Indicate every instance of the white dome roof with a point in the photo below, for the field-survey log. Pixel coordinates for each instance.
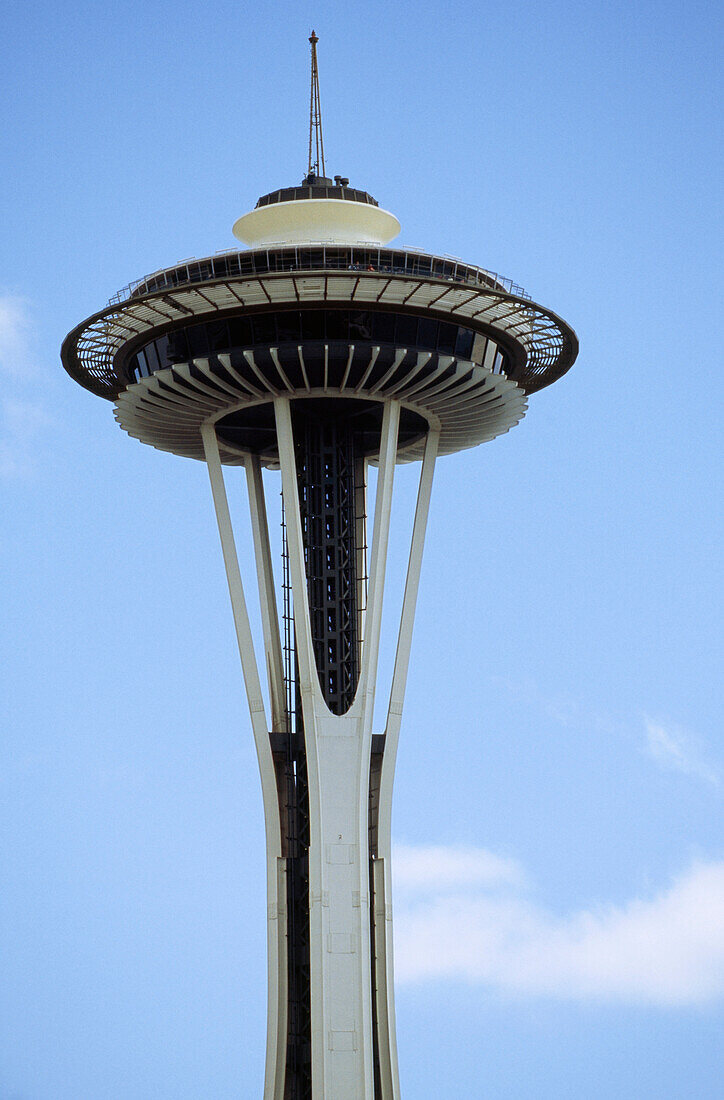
(332, 221)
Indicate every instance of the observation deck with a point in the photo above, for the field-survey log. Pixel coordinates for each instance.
(331, 312)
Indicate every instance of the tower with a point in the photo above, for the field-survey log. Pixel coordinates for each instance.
(318, 351)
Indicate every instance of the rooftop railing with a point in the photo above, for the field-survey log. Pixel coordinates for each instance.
(315, 191)
(302, 258)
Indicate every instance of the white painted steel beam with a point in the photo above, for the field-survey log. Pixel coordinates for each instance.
(378, 554)
(276, 885)
(382, 876)
(267, 597)
(409, 604)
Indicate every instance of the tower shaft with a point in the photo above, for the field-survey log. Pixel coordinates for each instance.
(330, 483)
(331, 1013)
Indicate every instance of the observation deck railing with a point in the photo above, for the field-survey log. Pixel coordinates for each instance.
(304, 258)
(316, 191)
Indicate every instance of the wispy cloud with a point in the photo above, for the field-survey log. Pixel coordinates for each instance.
(675, 750)
(664, 950)
(15, 336)
(22, 415)
(669, 746)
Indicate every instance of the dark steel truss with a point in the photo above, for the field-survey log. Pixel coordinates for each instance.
(327, 469)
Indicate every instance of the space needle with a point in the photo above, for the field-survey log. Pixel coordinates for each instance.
(317, 351)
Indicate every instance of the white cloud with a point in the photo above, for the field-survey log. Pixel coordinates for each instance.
(675, 750)
(665, 950)
(15, 337)
(22, 418)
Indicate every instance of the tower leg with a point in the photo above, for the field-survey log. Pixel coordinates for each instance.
(382, 913)
(276, 883)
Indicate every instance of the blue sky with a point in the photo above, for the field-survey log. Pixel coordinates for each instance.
(560, 884)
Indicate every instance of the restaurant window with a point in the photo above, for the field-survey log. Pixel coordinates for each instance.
(288, 328)
(198, 342)
(446, 338)
(312, 324)
(383, 327)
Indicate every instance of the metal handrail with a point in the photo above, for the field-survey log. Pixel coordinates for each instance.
(361, 258)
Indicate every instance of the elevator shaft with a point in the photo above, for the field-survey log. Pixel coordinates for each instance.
(330, 484)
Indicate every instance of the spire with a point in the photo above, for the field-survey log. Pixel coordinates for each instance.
(316, 144)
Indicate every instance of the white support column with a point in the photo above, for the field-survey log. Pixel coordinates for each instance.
(409, 604)
(267, 597)
(308, 685)
(378, 556)
(276, 888)
(382, 916)
(384, 1000)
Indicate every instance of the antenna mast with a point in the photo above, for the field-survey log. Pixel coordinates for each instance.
(316, 143)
